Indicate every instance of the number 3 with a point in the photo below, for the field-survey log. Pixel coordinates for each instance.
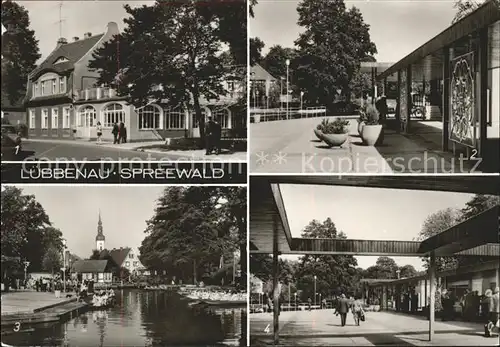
(17, 327)
(267, 330)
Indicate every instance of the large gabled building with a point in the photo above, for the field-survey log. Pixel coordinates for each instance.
(65, 101)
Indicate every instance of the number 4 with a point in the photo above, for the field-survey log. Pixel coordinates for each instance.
(267, 330)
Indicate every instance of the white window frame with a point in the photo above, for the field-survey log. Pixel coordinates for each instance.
(150, 115)
(54, 86)
(223, 116)
(32, 119)
(62, 84)
(42, 88)
(45, 118)
(54, 118)
(82, 114)
(194, 121)
(66, 117)
(113, 113)
(127, 264)
(175, 120)
(35, 94)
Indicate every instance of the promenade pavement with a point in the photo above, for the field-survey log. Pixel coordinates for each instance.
(290, 146)
(20, 302)
(322, 328)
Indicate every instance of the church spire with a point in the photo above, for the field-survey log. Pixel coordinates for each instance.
(100, 234)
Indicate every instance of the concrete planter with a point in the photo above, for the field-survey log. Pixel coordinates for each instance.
(371, 133)
(319, 134)
(335, 140)
(360, 127)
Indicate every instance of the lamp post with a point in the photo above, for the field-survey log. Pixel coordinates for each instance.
(315, 290)
(287, 101)
(398, 272)
(64, 265)
(26, 264)
(295, 301)
(320, 302)
(281, 93)
(289, 295)
(301, 99)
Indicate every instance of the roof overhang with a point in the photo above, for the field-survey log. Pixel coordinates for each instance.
(484, 16)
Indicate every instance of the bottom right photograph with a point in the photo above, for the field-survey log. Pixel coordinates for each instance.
(374, 260)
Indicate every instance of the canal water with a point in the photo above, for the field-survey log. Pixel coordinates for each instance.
(141, 318)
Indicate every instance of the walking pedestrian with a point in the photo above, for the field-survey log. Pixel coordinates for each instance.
(99, 133)
(357, 311)
(493, 312)
(487, 308)
(309, 302)
(122, 133)
(343, 309)
(217, 133)
(209, 135)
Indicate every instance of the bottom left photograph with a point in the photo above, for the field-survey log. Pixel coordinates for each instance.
(123, 265)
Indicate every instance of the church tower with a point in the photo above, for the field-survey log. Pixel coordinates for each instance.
(99, 239)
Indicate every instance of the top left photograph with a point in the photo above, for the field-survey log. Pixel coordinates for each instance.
(124, 80)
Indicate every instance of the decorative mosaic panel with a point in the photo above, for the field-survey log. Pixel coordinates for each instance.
(403, 98)
(462, 118)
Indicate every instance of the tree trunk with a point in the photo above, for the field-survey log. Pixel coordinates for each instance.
(199, 116)
(194, 271)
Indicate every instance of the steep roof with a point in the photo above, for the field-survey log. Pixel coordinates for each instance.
(258, 73)
(119, 254)
(73, 51)
(89, 266)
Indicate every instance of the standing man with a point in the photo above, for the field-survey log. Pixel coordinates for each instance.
(343, 309)
(209, 136)
(217, 133)
(115, 132)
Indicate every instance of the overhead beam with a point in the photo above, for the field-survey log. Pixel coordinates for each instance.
(471, 233)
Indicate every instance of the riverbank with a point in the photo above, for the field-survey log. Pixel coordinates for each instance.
(27, 307)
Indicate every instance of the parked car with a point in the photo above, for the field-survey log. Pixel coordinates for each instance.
(11, 142)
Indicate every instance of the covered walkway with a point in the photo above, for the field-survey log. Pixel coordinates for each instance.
(270, 231)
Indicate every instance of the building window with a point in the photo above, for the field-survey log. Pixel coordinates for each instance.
(62, 84)
(135, 264)
(196, 124)
(222, 116)
(43, 87)
(131, 256)
(127, 264)
(66, 118)
(87, 117)
(150, 118)
(54, 86)
(45, 118)
(175, 120)
(55, 118)
(113, 113)
(32, 119)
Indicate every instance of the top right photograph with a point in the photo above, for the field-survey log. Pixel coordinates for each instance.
(374, 87)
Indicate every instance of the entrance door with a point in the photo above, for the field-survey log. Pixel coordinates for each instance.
(86, 119)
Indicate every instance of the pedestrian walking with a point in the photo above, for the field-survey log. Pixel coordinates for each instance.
(122, 137)
(115, 132)
(343, 309)
(210, 130)
(309, 302)
(493, 311)
(99, 133)
(217, 133)
(358, 312)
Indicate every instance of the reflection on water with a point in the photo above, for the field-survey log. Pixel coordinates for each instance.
(142, 318)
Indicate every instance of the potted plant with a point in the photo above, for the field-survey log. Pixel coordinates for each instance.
(319, 129)
(335, 133)
(361, 120)
(372, 130)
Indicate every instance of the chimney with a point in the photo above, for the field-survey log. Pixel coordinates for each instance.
(112, 28)
(76, 38)
(61, 41)
(88, 35)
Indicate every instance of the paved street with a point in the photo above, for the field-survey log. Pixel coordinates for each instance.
(28, 301)
(69, 150)
(322, 328)
(290, 146)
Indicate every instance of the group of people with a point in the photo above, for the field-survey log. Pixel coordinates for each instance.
(491, 310)
(103, 297)
(342, 306)
(119, 132)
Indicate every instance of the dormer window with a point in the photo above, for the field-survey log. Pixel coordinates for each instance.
(61, 60)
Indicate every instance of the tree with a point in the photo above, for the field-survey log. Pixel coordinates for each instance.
(464, 8)
(333, 44)
(52, 260)
(275, 61)
(384, 268)
(187, 64)
(256, 46)
(253, 3)
(407, 271)
(19, 51)
(434, 224)
(334, 273)
(479, 203)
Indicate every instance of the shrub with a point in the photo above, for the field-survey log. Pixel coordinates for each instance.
(338, 126)
(371, 115)
(22, 129)
(322, 125)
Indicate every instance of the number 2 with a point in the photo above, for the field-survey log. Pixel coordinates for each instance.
(267, 330)
(473, 155)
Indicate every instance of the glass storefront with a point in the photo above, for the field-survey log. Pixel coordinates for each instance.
(493, 128)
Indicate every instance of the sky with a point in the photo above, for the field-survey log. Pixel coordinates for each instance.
(397, 27)
(367, 213)
(78, 17)
(75, 211)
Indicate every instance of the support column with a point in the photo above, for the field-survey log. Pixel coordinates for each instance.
(482, 91)
(445, 110)
(497, 278)
(276, 293)
(386, 298)
(425, 291)
(409, 99)
(432, 280)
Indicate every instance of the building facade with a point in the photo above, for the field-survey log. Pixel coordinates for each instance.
(128, 258)
(97, 270)
(64, 100)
